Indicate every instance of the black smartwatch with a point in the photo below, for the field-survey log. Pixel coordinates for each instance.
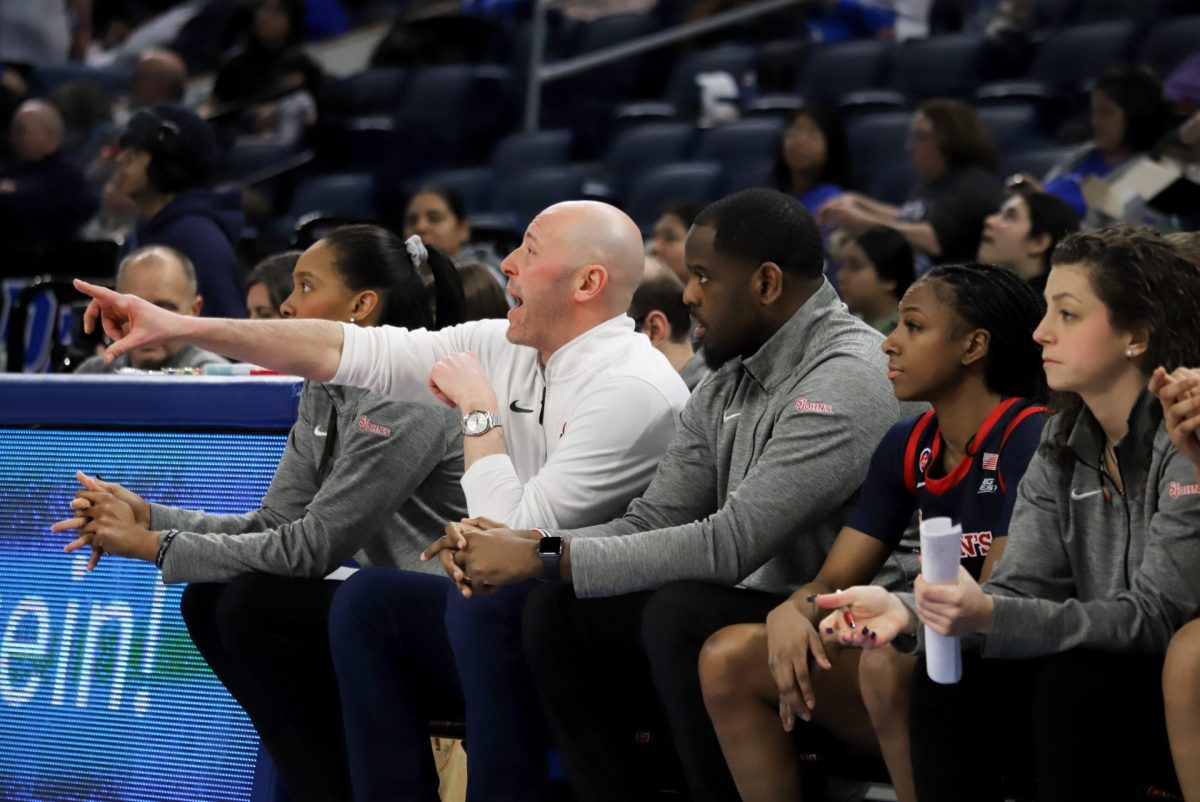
(550, 550)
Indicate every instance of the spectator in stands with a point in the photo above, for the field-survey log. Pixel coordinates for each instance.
(1087, 598)
(966, 347)
(485, 296)
(438, 215)
(43, 197)
(752, 491)
(813, 157)
(159, 76)
(566, 414)
(876, 270)
(361, 476)
(286, 119)
(166, 158)
(658, 311)
(278, 27)
(1129, 116)
(954, 157)
(269, 284)
(44, 33)
(1021, 236)
(166, 278)
(1181, 670)
(670, 232)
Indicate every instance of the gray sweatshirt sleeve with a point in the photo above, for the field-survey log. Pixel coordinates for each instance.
(808, 469)
(1036, 608)
(373, 475)
(292, 487)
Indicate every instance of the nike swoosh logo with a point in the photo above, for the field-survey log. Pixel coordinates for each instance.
(1076, 495)
(730, 416)
(319, 432)
(513, 406)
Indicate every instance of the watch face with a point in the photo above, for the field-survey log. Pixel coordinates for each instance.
(475, 423)
(550, 546)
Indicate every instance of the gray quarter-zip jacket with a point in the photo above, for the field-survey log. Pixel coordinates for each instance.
(766, 461)
(387, 489)
(1089, 567)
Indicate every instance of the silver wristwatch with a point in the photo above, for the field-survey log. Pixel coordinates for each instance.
(477, 422)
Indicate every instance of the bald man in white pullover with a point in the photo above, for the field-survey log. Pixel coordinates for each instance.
(566, 414)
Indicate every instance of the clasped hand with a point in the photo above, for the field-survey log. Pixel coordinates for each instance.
(109, 519)
(482, 555)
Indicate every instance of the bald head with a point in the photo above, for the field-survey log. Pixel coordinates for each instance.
(169, 272)
(164, 277)
(37, 130)
(597, 233)
(160, 76)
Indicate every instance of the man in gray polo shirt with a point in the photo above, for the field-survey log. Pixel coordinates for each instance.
(765, 463)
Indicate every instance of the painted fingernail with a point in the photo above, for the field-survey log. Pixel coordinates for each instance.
(872, 636)
(866, 631)
(828, 630)
(811, 599)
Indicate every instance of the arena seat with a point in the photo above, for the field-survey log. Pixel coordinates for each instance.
(671, 183)
(876, 142)
(832, 71)
(636, 150)
(740, 144)
(519, 152)
(1169, 43)
(524, 195)
(941, 66)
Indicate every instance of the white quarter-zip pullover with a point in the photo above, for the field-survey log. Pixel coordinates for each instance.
(584, 435)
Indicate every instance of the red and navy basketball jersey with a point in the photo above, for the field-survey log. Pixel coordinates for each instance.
(907, 476)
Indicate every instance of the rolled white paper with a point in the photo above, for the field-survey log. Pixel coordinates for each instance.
(940, 549)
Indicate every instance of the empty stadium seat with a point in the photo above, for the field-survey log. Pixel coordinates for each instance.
(473, 184)
(893, 183)
(671, 183)
(522, 197)
(835, 70)
(1015, 126)
(1072, 56)
(877, 143)
(519, 152)
(636, 150)
(1140, 10)
(1169, 43)
(1053, 13)
(343, 193)
(739, 144)
(373, 91)
(947, 65)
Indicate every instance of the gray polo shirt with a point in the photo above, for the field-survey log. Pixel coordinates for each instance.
(764, 466)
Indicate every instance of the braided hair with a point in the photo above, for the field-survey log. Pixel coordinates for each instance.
(1000, 302)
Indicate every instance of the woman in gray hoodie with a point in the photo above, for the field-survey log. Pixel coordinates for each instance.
(1102, 560)
(362, 477)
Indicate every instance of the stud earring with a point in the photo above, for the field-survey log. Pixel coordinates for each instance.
(352, 321)
(1129, 353)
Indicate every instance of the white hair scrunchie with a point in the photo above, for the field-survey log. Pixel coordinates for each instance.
(416, 251)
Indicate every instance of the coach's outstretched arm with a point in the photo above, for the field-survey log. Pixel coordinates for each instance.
(308, 348)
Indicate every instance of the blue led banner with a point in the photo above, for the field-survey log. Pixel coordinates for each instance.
(102, 694)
